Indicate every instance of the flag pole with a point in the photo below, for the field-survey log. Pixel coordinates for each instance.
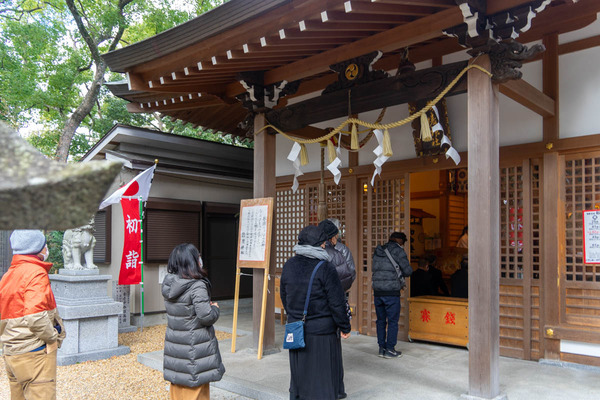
(142, 260)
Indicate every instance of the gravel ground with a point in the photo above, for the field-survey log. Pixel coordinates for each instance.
(119, 377)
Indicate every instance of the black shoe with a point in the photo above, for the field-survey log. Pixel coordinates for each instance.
(342, 396)
(381, 352)
(392, 354)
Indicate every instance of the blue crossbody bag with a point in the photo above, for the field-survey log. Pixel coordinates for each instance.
(294, 331)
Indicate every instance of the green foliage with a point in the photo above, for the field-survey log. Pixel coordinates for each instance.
(54, 239)
(46, 66)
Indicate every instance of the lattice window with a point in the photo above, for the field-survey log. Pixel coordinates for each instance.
(335, 196)
(536, 218)
(582, 192)
(511, 223)
(290, 220)
(336, 204)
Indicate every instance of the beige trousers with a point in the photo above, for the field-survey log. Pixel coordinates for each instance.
(178, 392)
(32, 376)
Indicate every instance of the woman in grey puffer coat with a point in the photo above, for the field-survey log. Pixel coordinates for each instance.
(191, 356)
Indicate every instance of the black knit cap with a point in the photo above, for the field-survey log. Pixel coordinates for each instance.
(398, 235)
(312, 236)
(329, 228)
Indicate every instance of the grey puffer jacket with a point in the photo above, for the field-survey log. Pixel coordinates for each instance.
(191, 356)
(385, 279)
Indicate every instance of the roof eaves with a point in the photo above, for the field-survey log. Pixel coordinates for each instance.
(211, 23)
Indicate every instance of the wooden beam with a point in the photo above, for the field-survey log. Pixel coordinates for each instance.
(550, 77)
(264, 186)
(369, 96)
(178, 105)
(579, 45)
(484, 227)
(528, 96)
(508, 156)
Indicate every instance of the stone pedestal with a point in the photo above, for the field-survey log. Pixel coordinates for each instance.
(89, 315)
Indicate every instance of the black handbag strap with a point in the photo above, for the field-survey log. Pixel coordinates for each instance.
(312, 278)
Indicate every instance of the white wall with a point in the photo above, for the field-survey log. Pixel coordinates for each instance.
(579, 99)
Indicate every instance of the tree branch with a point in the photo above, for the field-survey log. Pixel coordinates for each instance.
(84, 32)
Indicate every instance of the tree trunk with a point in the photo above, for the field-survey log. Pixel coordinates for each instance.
(82, 111)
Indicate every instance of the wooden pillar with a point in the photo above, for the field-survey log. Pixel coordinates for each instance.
(552, 230)
(550, 82)
(353, 235)
(553, 251)
(484, 231)
(264, 186)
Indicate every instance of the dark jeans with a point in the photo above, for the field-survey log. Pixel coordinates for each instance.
(387, 309)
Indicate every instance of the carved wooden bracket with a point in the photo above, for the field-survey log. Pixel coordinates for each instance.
(355, 71)
(480, 31)
(259, 97)
(506, 57)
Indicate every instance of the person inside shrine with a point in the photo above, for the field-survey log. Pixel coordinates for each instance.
(421, 281)
(460, 280)
(437, 281)
(463, 241)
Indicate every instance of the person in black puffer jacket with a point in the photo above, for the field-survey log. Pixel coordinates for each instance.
(386, 290)
(315, 370)
(191, 356)
(344, 268)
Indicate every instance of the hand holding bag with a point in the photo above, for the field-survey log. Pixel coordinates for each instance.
(294, 331)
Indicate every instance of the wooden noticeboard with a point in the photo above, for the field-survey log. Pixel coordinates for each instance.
(591, 236)
(254, 251)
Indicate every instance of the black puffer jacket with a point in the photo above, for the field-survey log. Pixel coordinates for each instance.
(385, 278)
(341, 266)
(191, 356)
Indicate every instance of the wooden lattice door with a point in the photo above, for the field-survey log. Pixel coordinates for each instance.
(579, 282)
(384, 209)
(519, 260)
(297, 210)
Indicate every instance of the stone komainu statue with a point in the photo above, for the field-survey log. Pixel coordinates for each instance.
(77, 242)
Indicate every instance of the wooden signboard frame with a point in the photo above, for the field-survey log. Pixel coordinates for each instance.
(254, 251)
(587, 234)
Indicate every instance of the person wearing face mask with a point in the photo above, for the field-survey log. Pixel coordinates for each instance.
(31, 331)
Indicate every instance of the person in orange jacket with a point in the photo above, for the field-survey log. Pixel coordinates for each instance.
(30, 328)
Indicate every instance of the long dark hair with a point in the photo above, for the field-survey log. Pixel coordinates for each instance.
(183, 261)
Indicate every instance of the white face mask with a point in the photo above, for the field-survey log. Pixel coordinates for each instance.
(45, 254)
(200, 263)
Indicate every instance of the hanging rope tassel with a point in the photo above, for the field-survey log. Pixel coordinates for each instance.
(387, 144)
(354, 138)
(303, 154)
(425, 129)
(331, 151)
